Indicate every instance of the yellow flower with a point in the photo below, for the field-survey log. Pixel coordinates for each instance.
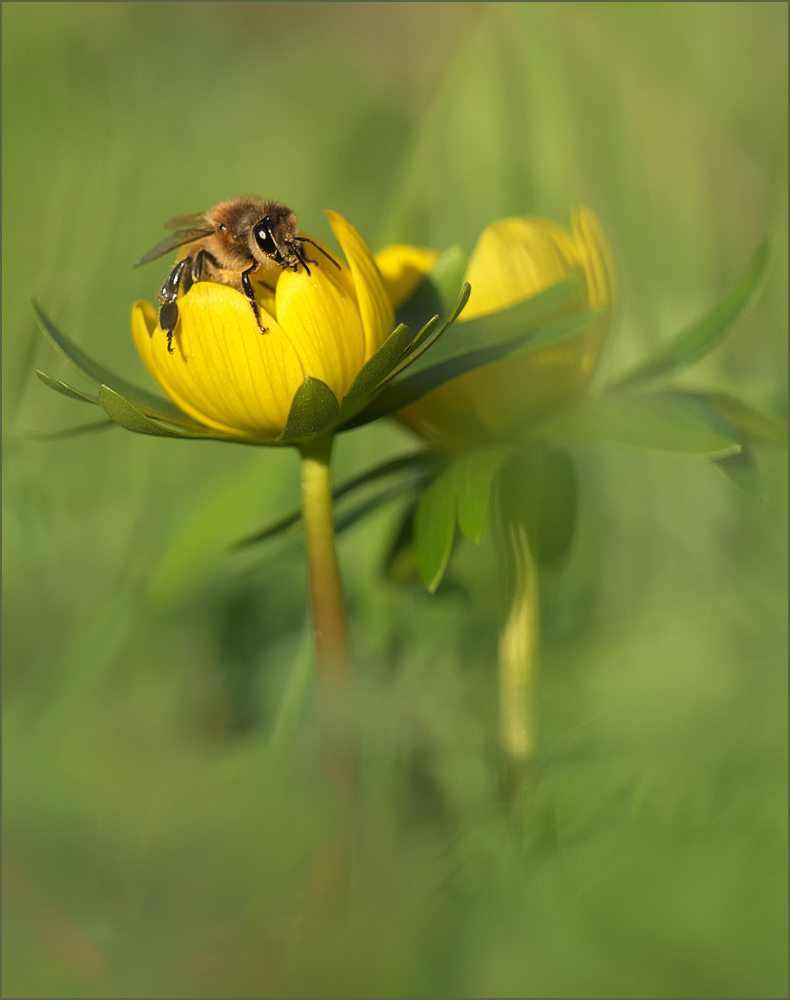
(514, 259)
(230, 377)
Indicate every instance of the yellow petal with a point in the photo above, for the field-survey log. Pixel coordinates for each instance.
(224, 372)
(515, 259)
(375, 308)
(319, 314)
(402, 268)
(594, 255)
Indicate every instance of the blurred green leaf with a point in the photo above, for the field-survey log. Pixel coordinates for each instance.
(741, 471)
(437, 292)
(400, 562)
(66, 390)
(313, 409)
(434, 528)
(708, 332)
(462, 489)
(754, 425)
(420, 460)
(484, 332)
(294, 697)
(67, 432)
(537, 487)
(146, 402)
(474, 475)
(352, 516)
(667, 422)
(411, 386)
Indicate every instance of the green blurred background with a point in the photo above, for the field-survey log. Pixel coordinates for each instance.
(161, 801)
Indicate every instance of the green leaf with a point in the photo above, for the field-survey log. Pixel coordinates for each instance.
(294, 697)
(350, 517)
(126, 414)
(381, 364)
(708, 332)
(507, 324)
(431, 332)
(537, 487)
(434, 526)
(288, 525)
(437, 292)
(753, 424)
(741, 471)
(66, 390)
(474, 475)
(463, 489)
(148, 403)
(419, 461)
(313, 409)
(666, 422)
(413, 384)
(400, 563)
(67, 432)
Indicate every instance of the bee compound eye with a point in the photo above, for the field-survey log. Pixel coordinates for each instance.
(263, 238)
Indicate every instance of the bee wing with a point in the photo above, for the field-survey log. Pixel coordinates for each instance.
(186, 221)
(173, 241)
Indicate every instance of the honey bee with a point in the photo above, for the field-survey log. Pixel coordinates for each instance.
(230, 241)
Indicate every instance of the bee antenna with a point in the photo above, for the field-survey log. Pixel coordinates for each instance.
(302, 259)
(304, 239)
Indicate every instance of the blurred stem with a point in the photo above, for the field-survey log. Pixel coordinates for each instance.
(331, 865)
(330, 627)
(518, 652)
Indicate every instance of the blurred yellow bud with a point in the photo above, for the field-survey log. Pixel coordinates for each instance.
(514, 259)
(229, 376)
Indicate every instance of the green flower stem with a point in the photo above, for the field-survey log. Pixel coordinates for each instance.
(333, 649)
(330, 876)
(518, 652)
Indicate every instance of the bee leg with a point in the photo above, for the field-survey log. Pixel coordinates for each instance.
(168, 310)
(248, 291)
(200, 259)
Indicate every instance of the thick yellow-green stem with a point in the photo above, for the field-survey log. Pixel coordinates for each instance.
(518, 651)
(333, 650)
(331, 865)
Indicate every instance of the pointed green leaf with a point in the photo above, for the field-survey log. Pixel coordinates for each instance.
(350, 517)
(741, 471)
(474, 475)
(288, 525)
(431, 332)
(67, 432)
(313, 409)
(125, 413)
(66, 390)
(708, 332)
(427, 375)
(667, 422)
(400, 563)
(381, 364)
(148, 403)
(527, 321)
(753, 424)
(418, 463)
(437, 292)
(435, 528)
